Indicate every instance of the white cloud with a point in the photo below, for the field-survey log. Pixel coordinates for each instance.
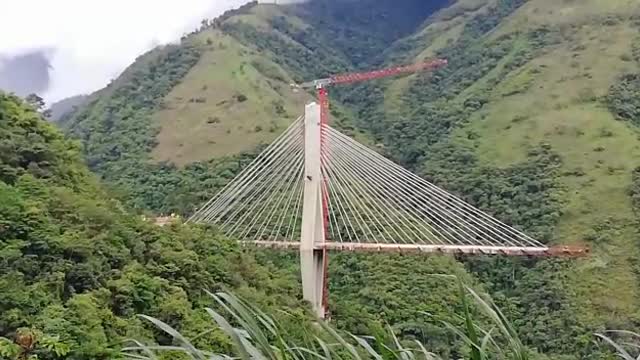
(96, 40)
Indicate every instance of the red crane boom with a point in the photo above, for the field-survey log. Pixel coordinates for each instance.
(371, 75)
(321, 84)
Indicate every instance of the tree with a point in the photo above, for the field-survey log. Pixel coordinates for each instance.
(35, 101)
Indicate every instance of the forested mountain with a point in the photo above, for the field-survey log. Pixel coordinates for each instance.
(535, 120)
(59, 109)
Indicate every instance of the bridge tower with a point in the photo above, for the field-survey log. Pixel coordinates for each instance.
(313, 233)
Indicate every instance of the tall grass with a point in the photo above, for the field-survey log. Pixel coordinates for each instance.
(255, 335)
(628, 343)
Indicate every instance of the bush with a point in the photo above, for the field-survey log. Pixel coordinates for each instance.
(605, 133)
(623, 99)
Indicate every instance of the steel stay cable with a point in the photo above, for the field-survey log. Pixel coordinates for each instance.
(261, 221)
(276, 207)
(342, 176)
(244, 200)
(331, 231)
(368, 202)
(344, 217)
(266, 152)
(410, 223)
(299, 183)
(339, 185)
(342, 200)
(249, 181)
(417, 207)
(255, 170)
(366, 193)
(294, 220)
(259, 183)
(334, 225)
(289, 185)
(447, 197)
(416, 211)
(341, 210)
(263, 197)
(471, 210)
(266, 182)
(412, 210)
(352, 198)
(278, 175)
(475, 230)
(237, 194)
(384, 195)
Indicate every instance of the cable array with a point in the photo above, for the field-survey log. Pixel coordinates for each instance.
(369, 200)
(373, 200)
(264, 202)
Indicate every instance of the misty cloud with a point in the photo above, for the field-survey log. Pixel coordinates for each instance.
(26, 73)
(93, 40)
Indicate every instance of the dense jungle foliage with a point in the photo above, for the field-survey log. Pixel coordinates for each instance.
(431, 127)
(76, 268)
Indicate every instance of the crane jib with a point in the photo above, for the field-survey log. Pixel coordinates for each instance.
(372, 75)
(378, 74)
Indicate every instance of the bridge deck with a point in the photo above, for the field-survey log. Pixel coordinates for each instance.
(438, 249)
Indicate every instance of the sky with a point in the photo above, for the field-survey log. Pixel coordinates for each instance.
(89, 42)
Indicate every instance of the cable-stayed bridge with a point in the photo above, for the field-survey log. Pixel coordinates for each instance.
(316, 189)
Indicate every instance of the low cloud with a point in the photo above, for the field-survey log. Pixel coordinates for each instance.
(94, 40)
(27, 72)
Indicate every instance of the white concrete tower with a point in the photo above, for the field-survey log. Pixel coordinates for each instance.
(313, 231)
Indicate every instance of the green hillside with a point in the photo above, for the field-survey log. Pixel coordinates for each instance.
(58, 110)
(535, 120)
(182, 112)
(230, 101)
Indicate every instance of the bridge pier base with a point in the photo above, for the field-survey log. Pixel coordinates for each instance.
(312, 271)
(313, 225)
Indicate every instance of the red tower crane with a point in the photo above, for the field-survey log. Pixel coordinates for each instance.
(321, 84)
